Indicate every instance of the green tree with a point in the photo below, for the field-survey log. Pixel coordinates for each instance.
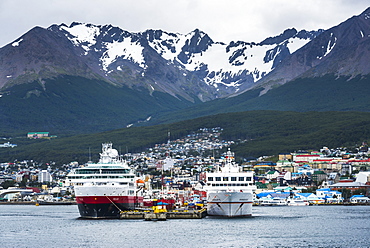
(346, 193)
(8, 184)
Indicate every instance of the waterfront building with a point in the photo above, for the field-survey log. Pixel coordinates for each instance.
(328, 193)
(359, 199)
(350, 185)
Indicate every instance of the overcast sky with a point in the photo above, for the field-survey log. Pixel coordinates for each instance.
(222, 20)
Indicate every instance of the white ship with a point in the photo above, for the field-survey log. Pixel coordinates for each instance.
(274, 202)
(297, 202)
(106, 188)
(229, 190)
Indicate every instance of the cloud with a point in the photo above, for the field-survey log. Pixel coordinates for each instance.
(223, 20)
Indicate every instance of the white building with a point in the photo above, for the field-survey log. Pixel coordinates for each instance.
(363, 177)
(44, 176)
(328, 193)
(359, 199)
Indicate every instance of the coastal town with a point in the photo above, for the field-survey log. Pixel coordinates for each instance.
(326, 176)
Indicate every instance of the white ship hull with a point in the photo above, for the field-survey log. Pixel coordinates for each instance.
(229, 204)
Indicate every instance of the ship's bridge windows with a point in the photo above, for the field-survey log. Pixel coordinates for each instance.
(210, 178)
(99, 177)
(87, 171)
(233, 178)
(126, 176)
(218, 178)
(115, 171)
(102, 171)
(241, 179)
(75, 177)
(248, 179)
(225, 179)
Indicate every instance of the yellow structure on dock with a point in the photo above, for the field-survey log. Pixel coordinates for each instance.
(157, 214)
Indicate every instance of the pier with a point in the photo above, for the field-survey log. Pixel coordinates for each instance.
(157, 215)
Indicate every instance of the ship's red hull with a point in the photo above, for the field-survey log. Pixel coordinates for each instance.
(106, 206)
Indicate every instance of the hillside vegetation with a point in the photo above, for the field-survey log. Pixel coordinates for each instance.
(327, 93)
(69, 105)
(265, 132)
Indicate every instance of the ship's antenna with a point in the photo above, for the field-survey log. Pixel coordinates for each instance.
(89, 154)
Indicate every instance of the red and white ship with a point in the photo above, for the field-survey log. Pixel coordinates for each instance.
(106, 188)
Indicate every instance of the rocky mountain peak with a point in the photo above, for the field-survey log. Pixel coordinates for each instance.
(161, 61)
(342, 50)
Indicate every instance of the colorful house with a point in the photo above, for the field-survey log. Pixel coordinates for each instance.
(37, 135)
(330, 196)
(359, 199)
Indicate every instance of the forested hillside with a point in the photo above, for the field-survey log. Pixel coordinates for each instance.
(262, 133)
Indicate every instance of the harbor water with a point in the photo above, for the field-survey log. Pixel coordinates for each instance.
(310, 226)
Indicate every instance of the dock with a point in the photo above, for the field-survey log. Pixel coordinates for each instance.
(155, 215)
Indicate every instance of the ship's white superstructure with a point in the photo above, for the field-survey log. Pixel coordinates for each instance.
(229, 190)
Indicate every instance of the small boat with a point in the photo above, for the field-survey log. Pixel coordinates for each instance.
(297, 202)
(39, 202)
(274, 202)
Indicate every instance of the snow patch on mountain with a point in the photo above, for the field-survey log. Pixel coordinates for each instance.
(126, 50)
(329, 47)
(15, 44)
(83, 34)
(295, 43)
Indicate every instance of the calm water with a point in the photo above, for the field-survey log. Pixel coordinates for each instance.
(313, 226)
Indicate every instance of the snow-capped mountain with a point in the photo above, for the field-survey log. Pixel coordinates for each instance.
(88, 78)
(192, 65)
(343, 50)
